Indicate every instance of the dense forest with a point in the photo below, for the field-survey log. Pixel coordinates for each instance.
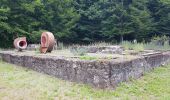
(84, 21)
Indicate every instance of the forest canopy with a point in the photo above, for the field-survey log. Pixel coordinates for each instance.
(84, 21)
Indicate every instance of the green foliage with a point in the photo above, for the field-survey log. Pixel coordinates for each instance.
(88, 27)
(110, 20)
(158, 38)
(35, 36)
(160, 12)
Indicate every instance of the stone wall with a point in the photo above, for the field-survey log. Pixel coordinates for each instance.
(101, 49)
(100, 74)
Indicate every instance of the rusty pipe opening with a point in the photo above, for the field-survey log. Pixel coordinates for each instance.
(20, 43)
(44, 40)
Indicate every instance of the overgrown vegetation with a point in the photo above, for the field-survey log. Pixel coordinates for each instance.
(133, 46)
(18, 83)
(84, 21)
(157, 43)
(145, 46)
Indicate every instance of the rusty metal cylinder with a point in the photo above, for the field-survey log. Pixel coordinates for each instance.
(47, 42)
(20, 43)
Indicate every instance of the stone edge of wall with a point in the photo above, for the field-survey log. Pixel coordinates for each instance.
(99, 74)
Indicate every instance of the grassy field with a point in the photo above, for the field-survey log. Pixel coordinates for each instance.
(17, 83)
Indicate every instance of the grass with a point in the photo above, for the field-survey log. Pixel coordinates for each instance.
(88, 58)
(18, 83)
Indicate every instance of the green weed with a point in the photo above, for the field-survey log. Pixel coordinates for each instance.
(88, 58)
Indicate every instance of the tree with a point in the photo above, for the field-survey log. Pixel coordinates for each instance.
(160, 12)
(130, 19)
(83, 21)
(29, 17)
(5, 28)
(109, 20)
(88, 28)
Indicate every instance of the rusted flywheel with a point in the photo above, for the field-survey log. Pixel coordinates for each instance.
(20, 43)
(47, 42)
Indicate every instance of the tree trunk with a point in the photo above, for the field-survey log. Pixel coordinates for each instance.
(121, 38)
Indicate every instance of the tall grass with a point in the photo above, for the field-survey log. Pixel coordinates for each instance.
(101, 44)
(133, 46)
(152, 46)
(145, 46)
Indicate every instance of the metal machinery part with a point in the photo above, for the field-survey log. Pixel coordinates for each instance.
(20, 43)
(47, 42)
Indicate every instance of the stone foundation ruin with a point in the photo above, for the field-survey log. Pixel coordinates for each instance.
(99, 73)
